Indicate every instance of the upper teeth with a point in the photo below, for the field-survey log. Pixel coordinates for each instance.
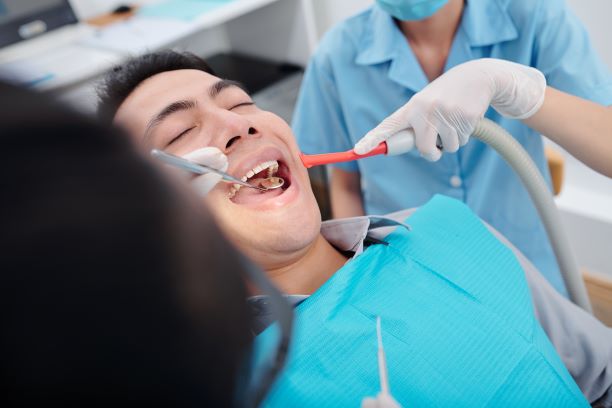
(271, 165)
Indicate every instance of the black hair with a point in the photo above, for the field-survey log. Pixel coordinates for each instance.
(121, 81)
(116, 288)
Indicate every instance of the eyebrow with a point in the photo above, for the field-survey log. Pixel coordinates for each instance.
(219, 86)
(174, 107)
(185, 105)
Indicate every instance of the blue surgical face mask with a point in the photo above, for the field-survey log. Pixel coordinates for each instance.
(411, 10)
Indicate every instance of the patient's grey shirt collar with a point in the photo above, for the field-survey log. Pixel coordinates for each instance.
(347, 235)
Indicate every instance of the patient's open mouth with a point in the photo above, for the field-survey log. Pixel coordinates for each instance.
(270, 168)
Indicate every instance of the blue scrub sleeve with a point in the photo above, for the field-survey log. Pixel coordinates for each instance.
(564, 53)
(318, 122)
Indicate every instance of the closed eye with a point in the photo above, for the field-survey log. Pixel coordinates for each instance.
(249, 103)
(183, 133)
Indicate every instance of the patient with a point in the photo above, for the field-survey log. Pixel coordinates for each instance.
(466, 318)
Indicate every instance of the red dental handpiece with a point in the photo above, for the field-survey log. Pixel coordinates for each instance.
(310, 160)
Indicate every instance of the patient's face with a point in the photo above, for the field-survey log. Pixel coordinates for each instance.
(181, 111)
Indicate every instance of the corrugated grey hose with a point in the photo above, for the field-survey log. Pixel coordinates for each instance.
(495, 136)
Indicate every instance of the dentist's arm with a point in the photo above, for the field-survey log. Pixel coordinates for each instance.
(452, 105)
(345, 194)
(581, 127)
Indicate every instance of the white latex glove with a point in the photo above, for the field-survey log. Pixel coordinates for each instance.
(452, 105)
(212, 157)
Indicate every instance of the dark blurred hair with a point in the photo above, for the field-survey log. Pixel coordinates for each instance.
(116, 289)
(123, 79)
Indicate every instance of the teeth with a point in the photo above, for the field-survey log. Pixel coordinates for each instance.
(271, 165)
(273, 169)
(234, 190)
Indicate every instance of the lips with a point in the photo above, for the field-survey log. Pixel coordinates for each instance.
(251, 196)
(254, 198)
(261, 171)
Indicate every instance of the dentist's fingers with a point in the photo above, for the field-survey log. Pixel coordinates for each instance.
(426, 137)
(465, 137)
(463, 121)
(394, 123)
(209, 156)
(204, 183)
(450, 139)
(212, 157)
(373, 138)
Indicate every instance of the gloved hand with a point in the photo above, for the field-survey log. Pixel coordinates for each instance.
(212, 157)
(452, 105)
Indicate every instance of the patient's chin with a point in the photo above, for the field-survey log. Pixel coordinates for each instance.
(268, 236)
(269, 245)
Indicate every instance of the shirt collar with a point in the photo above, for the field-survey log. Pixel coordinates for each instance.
(484, 22)
(487, 22)
(379, 39)
(383, 42)
(348, 234)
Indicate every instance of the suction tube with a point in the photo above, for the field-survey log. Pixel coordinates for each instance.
(495, 136)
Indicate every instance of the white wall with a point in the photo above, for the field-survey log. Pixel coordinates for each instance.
(596, 14)
(329, 12)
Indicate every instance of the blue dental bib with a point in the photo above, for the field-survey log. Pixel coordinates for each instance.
(458, 325)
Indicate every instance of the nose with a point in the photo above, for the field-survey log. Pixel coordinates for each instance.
(235, 128)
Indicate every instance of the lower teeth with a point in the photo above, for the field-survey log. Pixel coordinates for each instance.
(271, 183)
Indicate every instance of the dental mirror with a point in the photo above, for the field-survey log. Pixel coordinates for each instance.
(270, 183)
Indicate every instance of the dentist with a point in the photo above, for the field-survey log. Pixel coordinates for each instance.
(372, 64)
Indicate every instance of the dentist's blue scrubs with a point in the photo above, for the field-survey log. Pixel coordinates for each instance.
(364, 69)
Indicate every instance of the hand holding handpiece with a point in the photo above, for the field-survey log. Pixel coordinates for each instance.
(399, 143)
(452, 105)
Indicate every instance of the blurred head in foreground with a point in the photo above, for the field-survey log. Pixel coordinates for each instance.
(116, 288)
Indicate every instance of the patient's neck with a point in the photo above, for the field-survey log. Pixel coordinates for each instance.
(304, 275)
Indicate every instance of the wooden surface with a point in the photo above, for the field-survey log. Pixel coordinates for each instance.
(555, 166)
(599, 288)
(110, 18)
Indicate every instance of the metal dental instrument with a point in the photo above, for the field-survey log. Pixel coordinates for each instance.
(384, 399)
(382, 360)
(270, 183)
